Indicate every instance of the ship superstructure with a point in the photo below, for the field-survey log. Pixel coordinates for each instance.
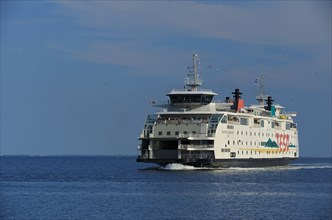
(193, 129)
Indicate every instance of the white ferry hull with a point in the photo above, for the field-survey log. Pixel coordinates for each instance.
(222, 163)
(192, 129)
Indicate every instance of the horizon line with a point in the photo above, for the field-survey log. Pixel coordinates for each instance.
(110, 155)
(67, 155)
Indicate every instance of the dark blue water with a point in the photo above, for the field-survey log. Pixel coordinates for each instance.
(120, 188)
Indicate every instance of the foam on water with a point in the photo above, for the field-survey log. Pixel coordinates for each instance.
(178, 166)
(289, 167)
(310, 166)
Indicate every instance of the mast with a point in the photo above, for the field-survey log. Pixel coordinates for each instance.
(261, 97)
(192, 82)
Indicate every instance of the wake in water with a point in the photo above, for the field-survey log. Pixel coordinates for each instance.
(178, 166)
(310, 166)
(181, 167)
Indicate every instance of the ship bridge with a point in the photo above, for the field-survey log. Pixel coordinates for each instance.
(202, 97)
(192, 95)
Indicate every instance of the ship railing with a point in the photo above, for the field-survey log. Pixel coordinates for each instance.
(189, 81)
(196, 156)
(233, 122)
(201, 135)
(218, 101)
(287, 115)
(174, 120)
(181, 90)
(203, 146)
(265, 114)
(293, 114)
(226, 105)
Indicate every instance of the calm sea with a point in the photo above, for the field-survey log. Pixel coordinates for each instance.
(120, 188)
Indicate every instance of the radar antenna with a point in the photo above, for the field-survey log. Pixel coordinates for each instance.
(261, 97)
(192, 82)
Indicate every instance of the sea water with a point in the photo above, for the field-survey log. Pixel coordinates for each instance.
(120, 188)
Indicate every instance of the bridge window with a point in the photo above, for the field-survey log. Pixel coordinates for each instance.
(191, 98)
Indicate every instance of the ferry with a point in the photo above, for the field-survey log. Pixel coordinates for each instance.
(193, 129)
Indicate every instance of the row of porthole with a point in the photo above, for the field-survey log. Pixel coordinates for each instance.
(267, 152)
(241, 142)
(168, 133)
(258, 133)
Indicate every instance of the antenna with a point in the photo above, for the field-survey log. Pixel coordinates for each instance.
(261, 97)
(192, 82)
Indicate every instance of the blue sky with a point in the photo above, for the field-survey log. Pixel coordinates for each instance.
(76, 77)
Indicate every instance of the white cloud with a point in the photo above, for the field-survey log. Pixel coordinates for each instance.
(143, 59)
(134, 30)
(281, 23)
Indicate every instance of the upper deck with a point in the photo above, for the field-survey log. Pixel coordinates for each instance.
(194, 100)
